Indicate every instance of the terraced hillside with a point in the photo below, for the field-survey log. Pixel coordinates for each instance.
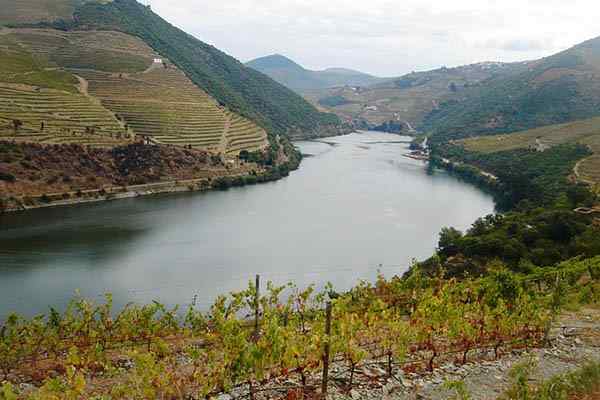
(50, 116)
(243, 90)
(152, 99)
(242, 134)
(14, 11)
(42, 104)
(163, 104)
(586, 132)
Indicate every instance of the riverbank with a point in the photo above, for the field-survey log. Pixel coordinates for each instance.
(112, 193)
(33, 176)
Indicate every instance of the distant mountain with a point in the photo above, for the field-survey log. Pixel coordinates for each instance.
(298, 78)
(556, 89)
(401, 104)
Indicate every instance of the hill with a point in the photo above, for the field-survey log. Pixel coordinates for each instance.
(41, 103)
(298, 78)
(402, 103)
(101, 75)
(242, 90)
(586, 132)
(24, 11)
(118, 82)
(553, 90)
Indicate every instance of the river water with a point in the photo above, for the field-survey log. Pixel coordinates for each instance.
(354, 207)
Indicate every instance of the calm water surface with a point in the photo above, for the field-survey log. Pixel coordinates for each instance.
(355, 206)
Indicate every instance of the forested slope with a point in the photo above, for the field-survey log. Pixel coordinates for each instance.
(557, 89)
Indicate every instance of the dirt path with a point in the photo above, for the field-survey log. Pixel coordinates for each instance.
(223, 143)
(83, 86)
(577, 173)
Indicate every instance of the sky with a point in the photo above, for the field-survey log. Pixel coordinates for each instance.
(385, 37)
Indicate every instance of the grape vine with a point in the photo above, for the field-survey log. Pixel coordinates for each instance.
(91, 351)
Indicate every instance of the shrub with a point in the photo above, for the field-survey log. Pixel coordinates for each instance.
(7, 177)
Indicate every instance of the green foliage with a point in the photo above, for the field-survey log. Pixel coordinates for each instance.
(333, 101)
(459, 388)
(554, 90)
(580, 382)
(541, 227)
(520, 374)
(7, 392)
(521, 240)
(523, 175)
(400, 320)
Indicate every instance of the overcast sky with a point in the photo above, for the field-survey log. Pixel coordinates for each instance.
(386, 37)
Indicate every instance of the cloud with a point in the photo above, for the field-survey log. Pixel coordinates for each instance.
(520, 44)
(387, 37)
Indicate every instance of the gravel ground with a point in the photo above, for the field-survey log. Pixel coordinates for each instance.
(574, 341)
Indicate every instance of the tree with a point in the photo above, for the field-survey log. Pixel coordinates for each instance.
(448, 244)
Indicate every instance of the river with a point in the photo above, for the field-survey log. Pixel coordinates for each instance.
(355, 207)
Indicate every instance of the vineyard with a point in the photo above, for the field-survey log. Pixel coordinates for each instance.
(121, 85)
(163, 104)
(102, 51)
(55, 117)
(281, 344)
(34, 10)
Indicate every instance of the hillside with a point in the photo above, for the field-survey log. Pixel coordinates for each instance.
(119, 82)
(405, 101)
(24, 11)
(41, 103)
(586, 132)
(557, 89)
(300, 79)
(242, 89)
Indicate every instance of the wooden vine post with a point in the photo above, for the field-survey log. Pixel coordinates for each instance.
(256, 334)
(256, 309)
(326, 351)
(555, 307)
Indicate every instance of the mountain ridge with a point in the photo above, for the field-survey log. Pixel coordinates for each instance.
(293, 75)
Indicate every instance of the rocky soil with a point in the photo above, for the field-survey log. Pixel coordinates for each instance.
(575, 340)
(33, 170)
